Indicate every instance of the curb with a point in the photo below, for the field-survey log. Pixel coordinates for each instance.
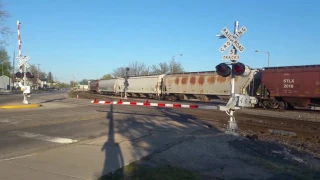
(18, 106)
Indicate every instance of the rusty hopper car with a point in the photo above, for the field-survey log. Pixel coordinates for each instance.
(93, 86)
(291, 86)
(205, 85)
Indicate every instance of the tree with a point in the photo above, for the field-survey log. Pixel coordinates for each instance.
(119, 72)
(5, 64)
(107, 76)
(84, 82)
(72, 83)
(137, 69)
(50, 77)
(4, 30)
(176, 67)
(42, 75)
(34, 70)
(162, 68)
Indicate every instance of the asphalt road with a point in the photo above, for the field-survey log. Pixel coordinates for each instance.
(62, 121)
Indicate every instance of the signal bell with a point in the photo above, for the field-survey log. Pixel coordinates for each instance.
(223, 70)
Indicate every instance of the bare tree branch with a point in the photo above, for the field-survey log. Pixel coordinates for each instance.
(5, 31)
(137, 69)
(177, 67)
(119, 72)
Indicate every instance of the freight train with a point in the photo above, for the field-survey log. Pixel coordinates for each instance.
(273, 87)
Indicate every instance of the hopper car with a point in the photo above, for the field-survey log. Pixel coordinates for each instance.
(283, 87)
(286, 87)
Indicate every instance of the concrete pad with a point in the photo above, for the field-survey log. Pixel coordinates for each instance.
(81, 161)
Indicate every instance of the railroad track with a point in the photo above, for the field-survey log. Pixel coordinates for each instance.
(295, 110)
(309, 130)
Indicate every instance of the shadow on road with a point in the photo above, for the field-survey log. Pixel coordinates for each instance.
(52, 100)
(113, 155)
(147, 127)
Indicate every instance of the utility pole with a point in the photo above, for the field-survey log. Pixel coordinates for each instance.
(126, 83)
(38, 77)
(12, 77)
(73, 82)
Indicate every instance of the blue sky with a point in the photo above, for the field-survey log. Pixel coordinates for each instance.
(88, 39)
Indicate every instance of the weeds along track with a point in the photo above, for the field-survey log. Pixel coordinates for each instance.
(308, 130)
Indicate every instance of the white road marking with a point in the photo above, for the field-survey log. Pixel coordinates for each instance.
(45, 138)
(4, 121)
(7, 121)
(18, 157)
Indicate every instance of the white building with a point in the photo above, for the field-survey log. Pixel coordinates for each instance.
(82, 87)
(5, 82)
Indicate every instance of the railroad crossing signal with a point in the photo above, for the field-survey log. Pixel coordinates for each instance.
(238, 69)
(23, 61)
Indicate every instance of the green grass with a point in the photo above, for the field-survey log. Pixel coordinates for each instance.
(294, 170)
(136, 171)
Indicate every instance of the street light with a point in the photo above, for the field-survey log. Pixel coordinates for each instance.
(173, 61)
(268, 55)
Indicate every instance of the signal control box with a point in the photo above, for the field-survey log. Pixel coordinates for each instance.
(26, 89)
(238, 102)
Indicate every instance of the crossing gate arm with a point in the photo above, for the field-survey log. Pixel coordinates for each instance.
(147, 103)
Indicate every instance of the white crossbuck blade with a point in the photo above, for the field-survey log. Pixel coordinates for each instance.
(23, 61)
(232, 39)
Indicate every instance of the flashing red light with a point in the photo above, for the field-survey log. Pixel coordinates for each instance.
(19, 75)
(29, 75)
(223, 70)
(238, 69)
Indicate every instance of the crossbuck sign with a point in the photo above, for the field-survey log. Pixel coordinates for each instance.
(233, 39)
(23, 61)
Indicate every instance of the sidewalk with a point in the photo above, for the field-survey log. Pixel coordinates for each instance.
(74, 162)
(93, 158)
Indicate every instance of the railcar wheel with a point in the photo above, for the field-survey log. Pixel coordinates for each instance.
(270, 104)
(283, 105)
(274, 105)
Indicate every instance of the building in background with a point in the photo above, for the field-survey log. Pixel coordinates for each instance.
(43, 83)
(5, 82)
